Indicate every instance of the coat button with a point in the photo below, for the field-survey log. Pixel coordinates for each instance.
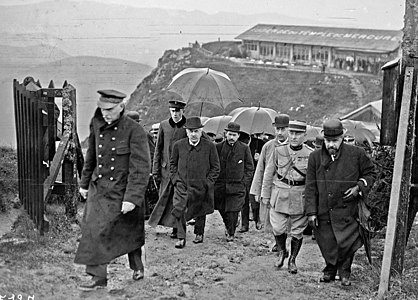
(112, 159)
(329, 194)
(330, 209)
(100, 146)
(101, 135)
(111, 178)
(328, 222)
(116, 128)
(100, 166)
(100, 156)
(113, 149)
(112, 168)
(113, 138)
(100, 176)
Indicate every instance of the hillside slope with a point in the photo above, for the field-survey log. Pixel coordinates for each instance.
(306, 95)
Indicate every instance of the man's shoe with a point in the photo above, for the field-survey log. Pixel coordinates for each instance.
(180, 243)
(230, 238)
(327, 278)
(243, 229)
(93, 284)
(198, 239)
(138, 275)
(345, 281)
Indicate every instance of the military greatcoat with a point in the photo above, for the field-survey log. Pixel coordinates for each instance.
(116, 169)
(326, 182)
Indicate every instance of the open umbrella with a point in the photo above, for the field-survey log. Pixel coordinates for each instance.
(216, 125)
(255, 119)
(358, 130)
(204, 85)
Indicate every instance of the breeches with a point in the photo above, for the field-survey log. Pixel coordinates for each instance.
(294, 225)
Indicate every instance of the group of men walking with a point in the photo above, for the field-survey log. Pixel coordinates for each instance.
(293, 184)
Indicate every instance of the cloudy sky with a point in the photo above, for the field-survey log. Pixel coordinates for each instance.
(386, 14)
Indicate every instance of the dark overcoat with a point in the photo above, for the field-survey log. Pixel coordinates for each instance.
(116, 169)
(326, 181)
(194, 170)
(237, 170)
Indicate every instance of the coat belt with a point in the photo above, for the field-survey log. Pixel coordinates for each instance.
(291, 182)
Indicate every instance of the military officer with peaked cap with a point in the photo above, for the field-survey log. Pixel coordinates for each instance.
(114, 178)
(284, 187)
(170, 131)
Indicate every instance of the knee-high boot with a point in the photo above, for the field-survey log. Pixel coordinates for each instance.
(281, 249)
(295, 245)
(256, 218)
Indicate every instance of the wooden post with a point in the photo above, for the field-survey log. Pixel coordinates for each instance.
(399, 198)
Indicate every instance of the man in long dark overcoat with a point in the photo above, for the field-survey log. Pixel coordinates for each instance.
(337, 176)
(170, 131)
(194, 167)
(237, 170)
(114, 179)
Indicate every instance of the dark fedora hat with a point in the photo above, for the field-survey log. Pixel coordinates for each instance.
(193, 123)
(234, 127)
(332, 128)
(319, 141)
(281, 120)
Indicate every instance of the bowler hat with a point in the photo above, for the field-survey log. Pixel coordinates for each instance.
(109, 98)
(134, 115)
(193, 123)
(234, 127)
(299, 126)
(176, 104)
(282, 120)
(332, 128)
(319, 141)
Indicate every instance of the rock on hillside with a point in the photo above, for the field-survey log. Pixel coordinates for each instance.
(303, 93)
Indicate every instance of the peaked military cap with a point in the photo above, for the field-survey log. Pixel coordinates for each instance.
(297, 126)
(109, 98)
(176, 104)
(282, 120)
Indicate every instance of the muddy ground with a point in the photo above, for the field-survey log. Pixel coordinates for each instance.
(216, 269)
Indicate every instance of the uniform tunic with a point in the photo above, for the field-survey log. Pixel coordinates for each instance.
(116, 169)
(326, 182)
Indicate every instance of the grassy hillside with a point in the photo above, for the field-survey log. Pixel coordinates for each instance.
(311, 96)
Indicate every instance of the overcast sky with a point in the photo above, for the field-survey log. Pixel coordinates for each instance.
(387, 13)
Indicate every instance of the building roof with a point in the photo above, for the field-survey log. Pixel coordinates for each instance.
(371, 112)
(343, 38)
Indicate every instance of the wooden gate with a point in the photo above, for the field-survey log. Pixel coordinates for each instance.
(39, 160)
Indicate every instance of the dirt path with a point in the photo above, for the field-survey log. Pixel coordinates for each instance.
(215, 269)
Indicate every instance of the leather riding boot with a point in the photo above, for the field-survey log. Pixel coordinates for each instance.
(281, 245)
(295, 245)
(256, 218)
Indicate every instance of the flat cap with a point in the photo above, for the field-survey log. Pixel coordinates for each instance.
(176, 104)
(109, 98)
(296, 125)
(282, 120)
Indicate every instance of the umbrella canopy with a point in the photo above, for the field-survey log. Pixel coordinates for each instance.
(204, 85)
(216, 125)
(358, 130)
(255, 119)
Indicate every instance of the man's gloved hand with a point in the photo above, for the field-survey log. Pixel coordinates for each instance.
(176, 212)
(83, 193)
(257, 198)
(313, 221)
(127, 207)
(351, 193)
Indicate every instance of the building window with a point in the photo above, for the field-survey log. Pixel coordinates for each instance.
(251, 45)
(319, 54)
(301, 53)
(266, 50)
(283, 51)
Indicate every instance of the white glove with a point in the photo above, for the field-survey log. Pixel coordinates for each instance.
(127, 207)
(83, 193)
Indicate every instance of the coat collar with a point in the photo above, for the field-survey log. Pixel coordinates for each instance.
(100, 122)
(179, 124)
(197, 147)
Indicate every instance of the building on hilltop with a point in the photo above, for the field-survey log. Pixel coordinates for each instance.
(360, 50)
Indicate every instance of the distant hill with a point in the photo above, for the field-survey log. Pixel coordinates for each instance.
(306, 95)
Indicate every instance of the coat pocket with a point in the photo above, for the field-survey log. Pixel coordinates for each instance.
(123, 150)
